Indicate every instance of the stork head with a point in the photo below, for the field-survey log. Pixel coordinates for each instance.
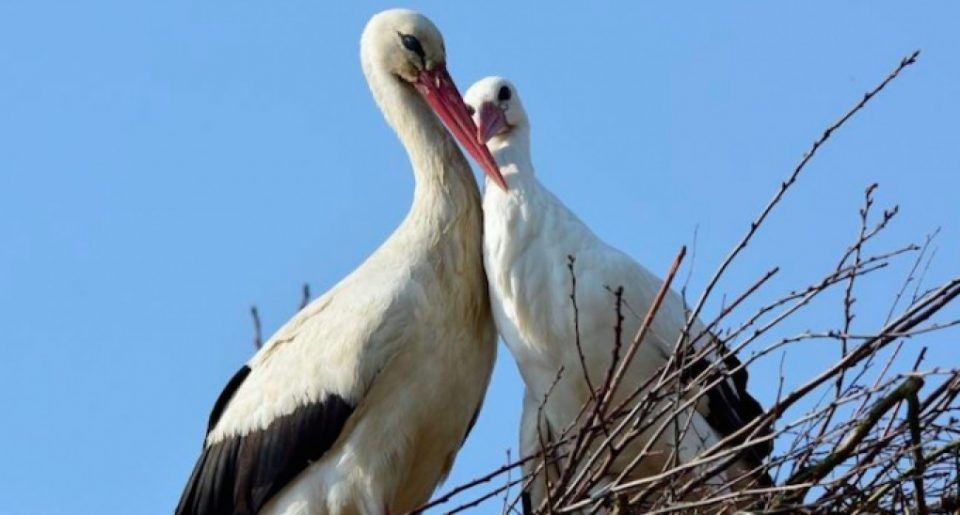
(408, 47)
(496, 108)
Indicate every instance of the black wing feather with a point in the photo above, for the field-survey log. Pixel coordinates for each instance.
(526, 503)
(226, 395)
(239, 474)
(731, 408)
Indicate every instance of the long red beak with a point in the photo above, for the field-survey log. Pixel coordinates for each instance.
(437, 88)
(492, 120)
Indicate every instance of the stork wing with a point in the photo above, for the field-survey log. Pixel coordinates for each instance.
(729, 406)
(239, 474)
(533, 432)
(289, 405)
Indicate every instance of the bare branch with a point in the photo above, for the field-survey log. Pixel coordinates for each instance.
(257, 336)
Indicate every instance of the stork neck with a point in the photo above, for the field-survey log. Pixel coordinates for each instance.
(442, 173)
(513, 156)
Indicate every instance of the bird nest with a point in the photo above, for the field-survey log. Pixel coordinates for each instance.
(873, 432)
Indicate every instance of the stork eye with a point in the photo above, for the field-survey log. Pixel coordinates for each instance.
(504, 94)
(412, 44)
(470, 110)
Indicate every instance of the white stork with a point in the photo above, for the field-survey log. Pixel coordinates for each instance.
(361, 401)
(528, 235)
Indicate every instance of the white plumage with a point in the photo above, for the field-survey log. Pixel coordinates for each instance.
(361, 401)
(529, 236)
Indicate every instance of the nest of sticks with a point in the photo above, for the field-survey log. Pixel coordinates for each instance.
(869, 433)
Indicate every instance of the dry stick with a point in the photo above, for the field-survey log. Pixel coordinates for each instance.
(910, 274)
(598, 414)
(506, 493)
(783, 189)
(848, 298)
(665, 380)
(305, 299)
(600, 408)
(696, 482)
(867, 396)
(618, 370)
(848, 315)
(729, 454)
(896, 351)
(700, 480)
(565, 437)
(257, 337)
(721, 465)
(814, 473)
(686, 506)
(913, 317)
(576, 325)
(670, 474)
(843, 484)
(813, 290)
(923, 275)
(865, 99)
(617, 336)
(541, 440)
(785, 186)
(818, 413)
(956, 468)
(726, 452)
(634, 414)
(913, 417)
(255, 315)
(503, 469)
(807, 294)
(747, 475)
(803, 301)
(833, 335)
(913, 307)
(804, 298)
(479, 500)
(693, 262)
(550, 447)
(886, 368)
(644, 327)
(743, 296)
(753, 288)
(478, 481)
(571, 260)
(880, 376)
(926, 401)
(703, 351)
(875, 497)
(947, 391)
(621, 368)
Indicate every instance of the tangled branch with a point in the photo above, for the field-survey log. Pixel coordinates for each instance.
(853, 438)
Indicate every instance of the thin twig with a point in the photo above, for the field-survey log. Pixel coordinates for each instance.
(257, 337)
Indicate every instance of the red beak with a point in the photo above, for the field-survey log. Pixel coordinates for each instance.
(437, 88)
(492, 121)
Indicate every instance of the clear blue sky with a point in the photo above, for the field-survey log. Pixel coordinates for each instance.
(163, 165)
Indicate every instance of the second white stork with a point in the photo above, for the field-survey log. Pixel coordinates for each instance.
(359, 404)
(529, 236)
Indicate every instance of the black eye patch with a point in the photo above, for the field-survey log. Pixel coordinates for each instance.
(412, 44)
(470, 110)
(504, 94)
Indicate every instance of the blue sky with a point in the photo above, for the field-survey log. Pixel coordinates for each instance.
(163, 165)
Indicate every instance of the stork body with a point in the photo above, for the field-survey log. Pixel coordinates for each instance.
(359, 404)
(530, 237)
